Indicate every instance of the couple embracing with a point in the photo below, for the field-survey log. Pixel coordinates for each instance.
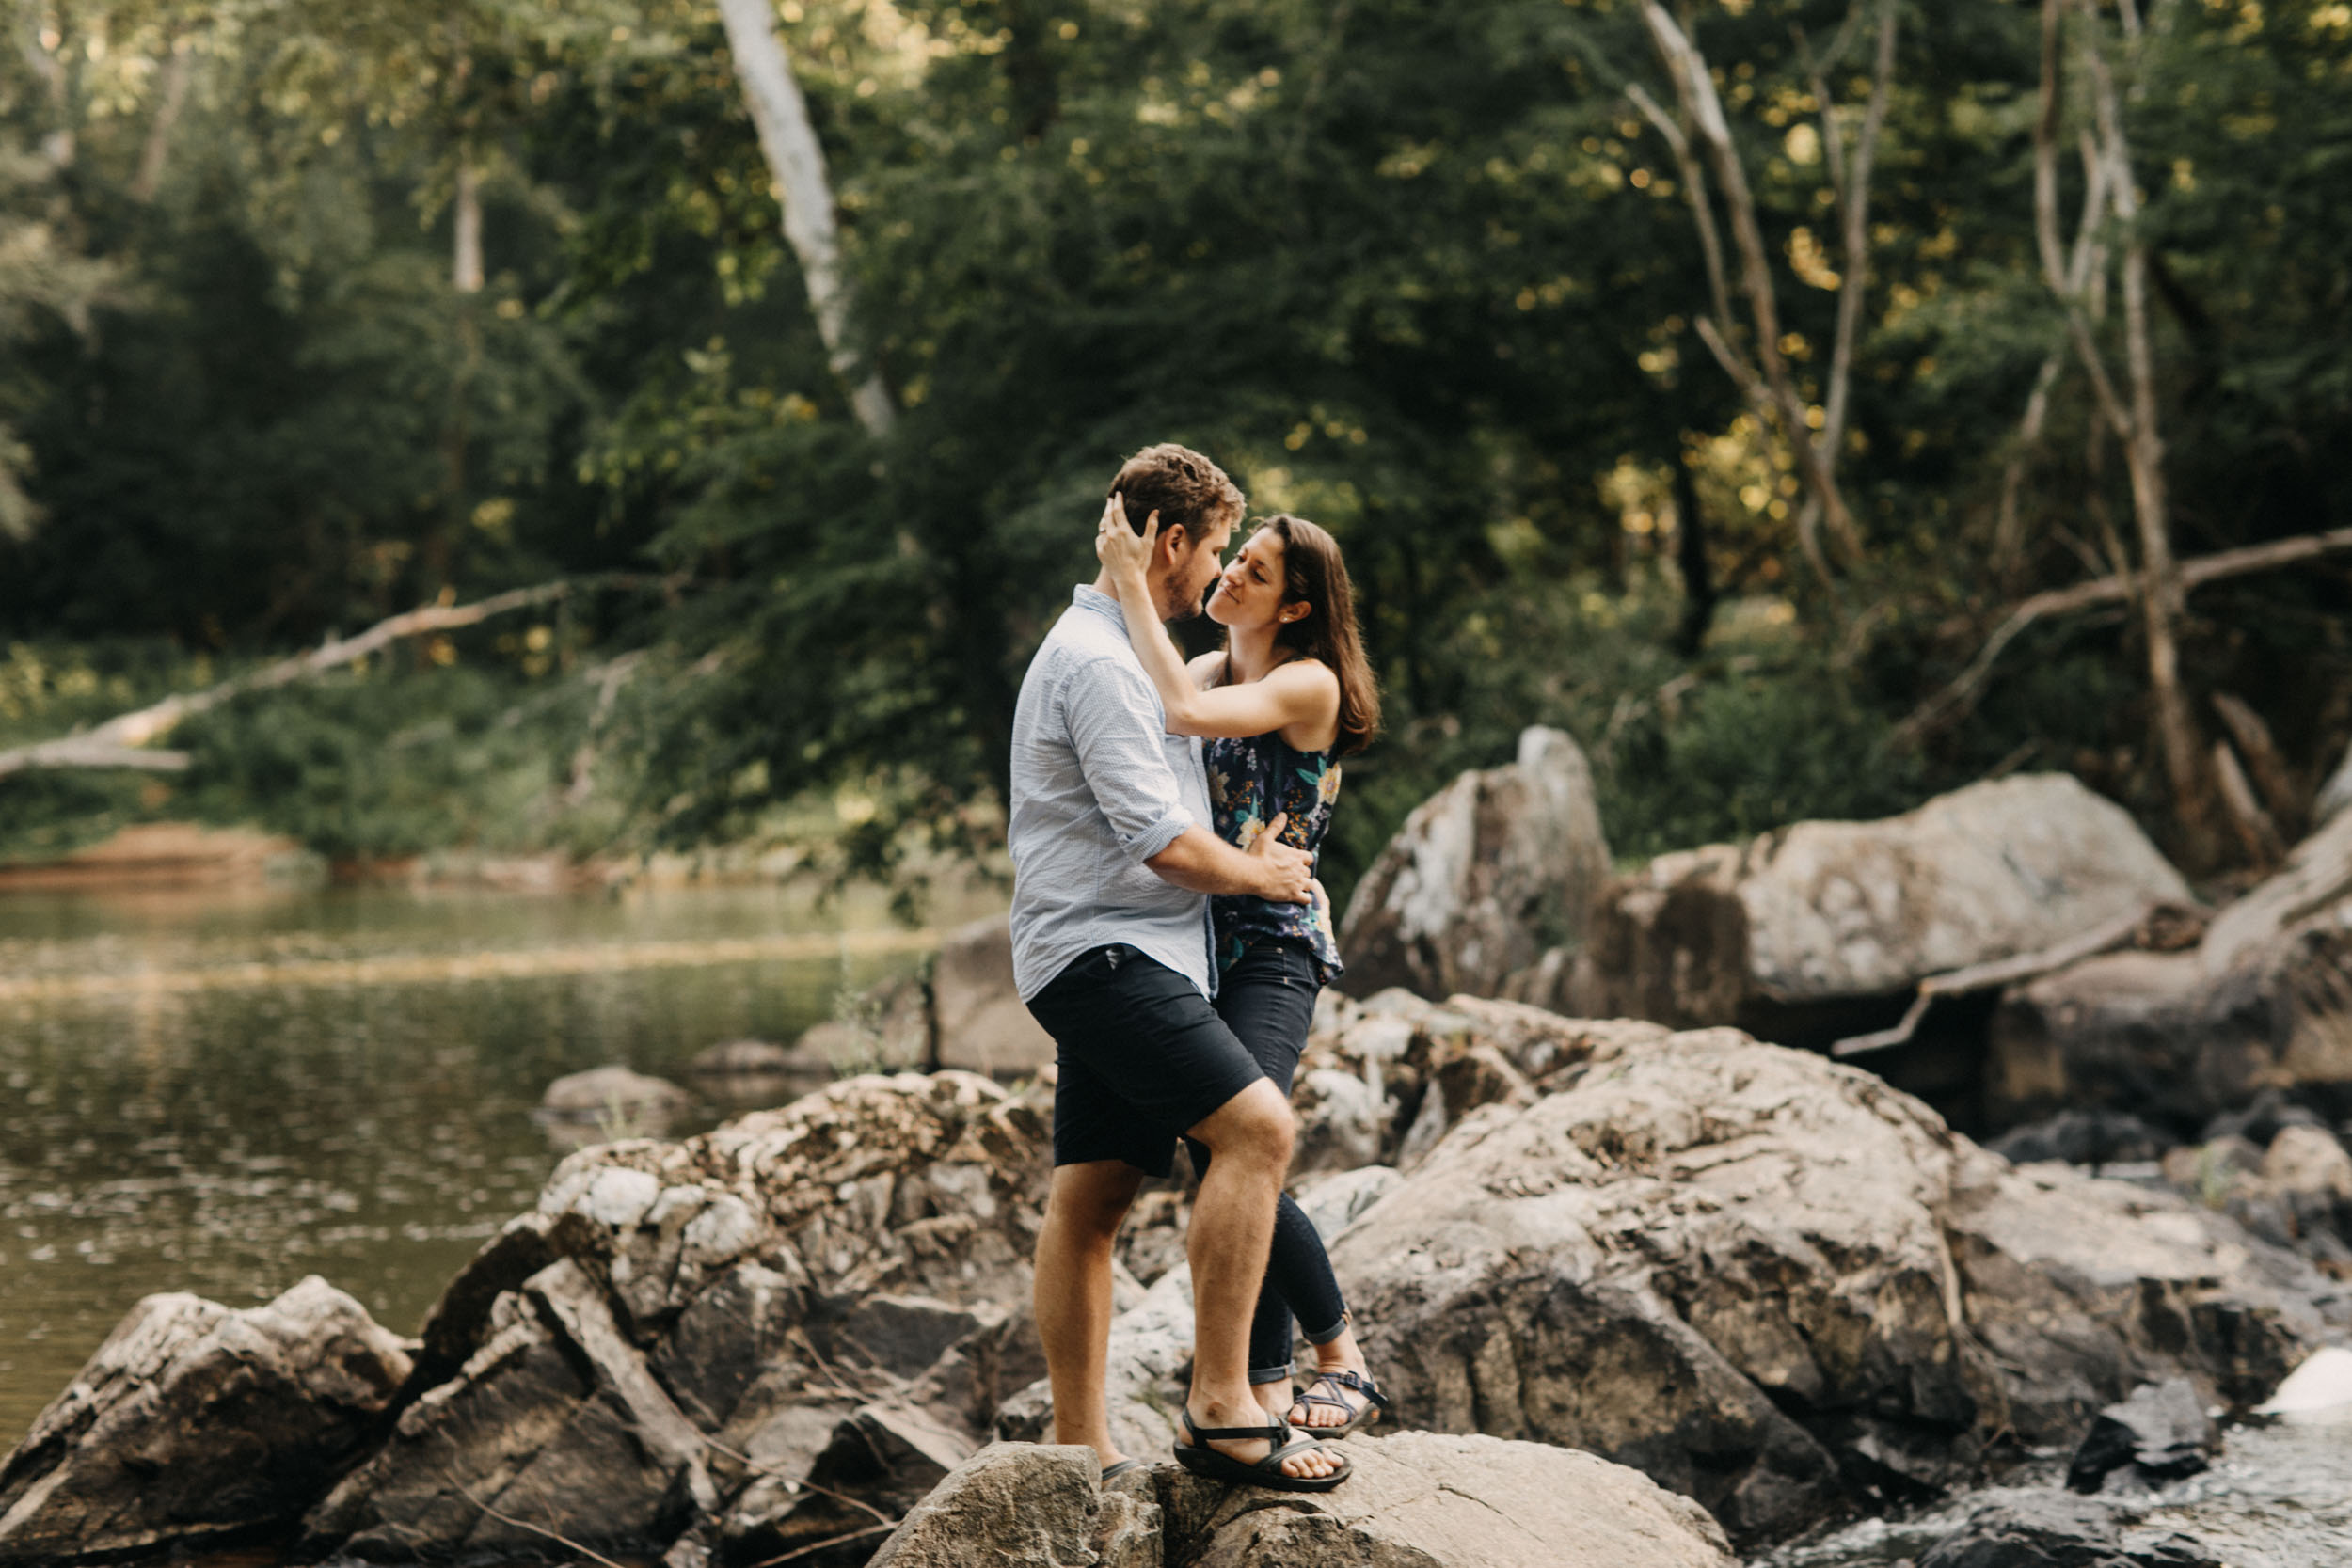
(1168, 934)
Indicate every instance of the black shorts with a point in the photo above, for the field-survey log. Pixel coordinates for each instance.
(1142, 1057)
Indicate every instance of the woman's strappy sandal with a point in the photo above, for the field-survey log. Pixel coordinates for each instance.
(1201, 1460)
(1376, 1405)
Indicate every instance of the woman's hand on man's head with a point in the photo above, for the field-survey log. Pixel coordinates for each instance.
(1120, 549)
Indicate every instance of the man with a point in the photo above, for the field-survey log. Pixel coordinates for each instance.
(1112, 860)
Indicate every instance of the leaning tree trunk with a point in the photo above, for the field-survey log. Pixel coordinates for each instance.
(797, 165)
(2162, 600)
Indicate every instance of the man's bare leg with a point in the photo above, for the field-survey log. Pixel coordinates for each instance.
(1232, 1230)
(1082, 1211)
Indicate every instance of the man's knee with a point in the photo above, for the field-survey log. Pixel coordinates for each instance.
(1255, 1124)
(1091, 1200)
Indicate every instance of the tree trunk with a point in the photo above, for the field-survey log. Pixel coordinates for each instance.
(2162, 599)
(1696, 90)
(797, 165)
(465, 273)
(178, 69)
(1698, 576)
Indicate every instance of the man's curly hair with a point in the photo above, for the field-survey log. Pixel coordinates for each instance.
(1186, 488)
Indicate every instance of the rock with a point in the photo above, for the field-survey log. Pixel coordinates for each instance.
(2335, 794)
(885, 1456)
(1484, 878)
(2093, 1137)
(599, 1366)
(906, 1334)
(195, 1422)
(1150, 1368)
(1341, 1122)
(2052, 1529)
(982, 1025)
(1779, 1286)
(2309, 1162)
(2317, 1393)
(747, 1058)
(1019, 1505)
(616, 1101)
(1432, 1500)
(1332, 1203)
(2161, 1434)
(2261, 1120)
(2263, 1002)
(885, 1028)
(1784, 934)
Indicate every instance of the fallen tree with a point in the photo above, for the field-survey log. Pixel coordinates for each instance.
(121, 741)
(1954, 699)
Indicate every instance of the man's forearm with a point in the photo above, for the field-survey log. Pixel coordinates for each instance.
(1199, 861)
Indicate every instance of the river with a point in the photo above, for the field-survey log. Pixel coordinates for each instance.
(223, 1091)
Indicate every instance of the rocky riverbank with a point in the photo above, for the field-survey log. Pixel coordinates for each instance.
(1642, 1293)
(1765, 1281)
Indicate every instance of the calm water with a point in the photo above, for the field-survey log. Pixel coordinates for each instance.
(222, 1092)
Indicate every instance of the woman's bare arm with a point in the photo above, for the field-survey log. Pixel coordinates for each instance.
(1301, 693)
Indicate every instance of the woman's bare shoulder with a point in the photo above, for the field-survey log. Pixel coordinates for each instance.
(1205, 669)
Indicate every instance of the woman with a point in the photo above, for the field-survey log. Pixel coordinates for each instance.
(1288, 695)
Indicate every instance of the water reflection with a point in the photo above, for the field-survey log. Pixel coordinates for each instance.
(221, 1094)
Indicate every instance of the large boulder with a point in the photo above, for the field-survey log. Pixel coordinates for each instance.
(2263, 1001)
(678, 1326)
(195, 1422)
(1415, 1500)
(1422, 1499)
(1485, 878)
(1784, 934)
(980, 1020)
(1775, 1283)
(2053, 1530)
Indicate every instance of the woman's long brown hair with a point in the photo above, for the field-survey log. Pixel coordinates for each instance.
(1313, 571)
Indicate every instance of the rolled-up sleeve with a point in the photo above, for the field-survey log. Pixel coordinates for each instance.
(1114, 722)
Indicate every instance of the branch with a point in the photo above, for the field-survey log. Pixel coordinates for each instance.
(2009, 526)
(1697, 93)
(1710, 239)
(2066, 282)
(111, 744)
(1985, 977)
(1855, 199)
(1954, 699)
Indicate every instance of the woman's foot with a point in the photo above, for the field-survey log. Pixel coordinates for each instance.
(1335, 1401)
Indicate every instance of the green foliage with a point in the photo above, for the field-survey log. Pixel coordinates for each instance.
(1421, 272)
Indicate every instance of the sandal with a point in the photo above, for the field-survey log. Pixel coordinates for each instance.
(1201, 1460)
(1376, 1405)
(1122, 1467)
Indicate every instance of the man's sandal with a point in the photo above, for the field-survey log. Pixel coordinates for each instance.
(1122, 1467)
(1376, 1405)
(1201, 1460)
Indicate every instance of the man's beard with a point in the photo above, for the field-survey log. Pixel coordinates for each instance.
(1194, 610)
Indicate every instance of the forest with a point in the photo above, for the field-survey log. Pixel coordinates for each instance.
(1809, 404)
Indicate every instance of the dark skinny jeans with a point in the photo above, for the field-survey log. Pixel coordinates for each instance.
(1267, 999)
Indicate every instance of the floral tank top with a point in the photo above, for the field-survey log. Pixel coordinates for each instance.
(1252, 779)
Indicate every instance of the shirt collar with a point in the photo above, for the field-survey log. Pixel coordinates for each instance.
(1101, 602)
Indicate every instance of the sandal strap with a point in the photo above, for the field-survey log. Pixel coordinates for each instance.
(1346, 1379)
(1273, 1434)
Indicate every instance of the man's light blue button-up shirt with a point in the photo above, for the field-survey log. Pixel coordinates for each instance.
(1099, 787)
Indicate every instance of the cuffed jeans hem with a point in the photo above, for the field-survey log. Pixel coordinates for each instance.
(1329, 1334)
(1260, 1376)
